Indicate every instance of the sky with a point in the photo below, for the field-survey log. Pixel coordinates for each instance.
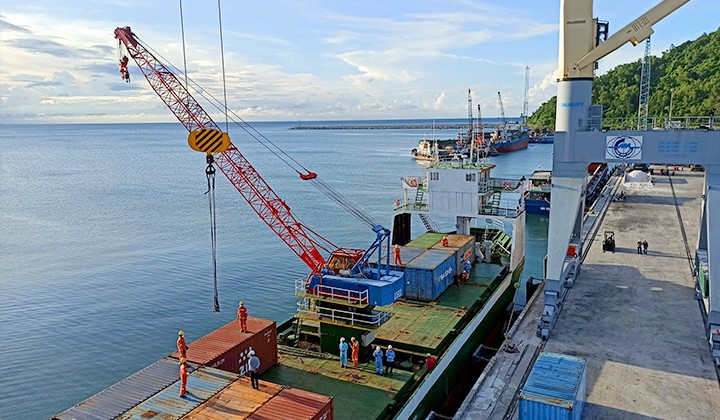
(303, 60)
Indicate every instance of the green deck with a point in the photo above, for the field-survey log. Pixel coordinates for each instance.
(351, 400)
(418, 327)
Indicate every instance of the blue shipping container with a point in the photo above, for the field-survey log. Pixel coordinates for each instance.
(380, 292)
(428, 275)
(202, 385)
(126, 394)
(555, 389)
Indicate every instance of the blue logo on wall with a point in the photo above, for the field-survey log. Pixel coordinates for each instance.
(623, 147)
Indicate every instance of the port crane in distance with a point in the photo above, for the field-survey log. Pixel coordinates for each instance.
(347, 270)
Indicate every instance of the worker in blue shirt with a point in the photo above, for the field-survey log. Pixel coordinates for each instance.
(254, 370)
(378, 354)
(390, 360)
(468, 266)
(343, 352)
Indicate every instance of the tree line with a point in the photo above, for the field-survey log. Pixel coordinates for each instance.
(689, 72)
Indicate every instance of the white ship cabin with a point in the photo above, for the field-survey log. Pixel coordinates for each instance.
(462, 188)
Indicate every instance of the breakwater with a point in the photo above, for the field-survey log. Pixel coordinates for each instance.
(390, 127)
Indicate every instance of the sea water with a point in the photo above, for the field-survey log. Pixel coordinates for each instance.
(105, 242)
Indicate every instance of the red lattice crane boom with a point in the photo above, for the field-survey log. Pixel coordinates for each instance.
(253, 188)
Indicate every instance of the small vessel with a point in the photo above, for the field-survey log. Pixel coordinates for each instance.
(432, 149)
(542, 138)
(537, 193)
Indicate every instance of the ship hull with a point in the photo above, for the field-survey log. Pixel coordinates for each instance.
(541, 207)
(511, 146)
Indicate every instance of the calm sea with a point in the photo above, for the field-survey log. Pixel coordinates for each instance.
(105, 249)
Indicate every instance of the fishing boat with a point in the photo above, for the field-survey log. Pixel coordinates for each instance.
(432, 149)
(537, 193)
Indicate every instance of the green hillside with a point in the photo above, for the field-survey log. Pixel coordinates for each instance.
(691, 70)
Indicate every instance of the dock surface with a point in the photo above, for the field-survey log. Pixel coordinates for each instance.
(632, 316)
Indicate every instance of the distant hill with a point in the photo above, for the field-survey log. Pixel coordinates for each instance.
(692, 70)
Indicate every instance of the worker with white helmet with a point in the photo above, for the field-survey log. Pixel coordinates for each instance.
(254, 367)
(242, 316)
(389, 360)
(343, 352)
(378, 355)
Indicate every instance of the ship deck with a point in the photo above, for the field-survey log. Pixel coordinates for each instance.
(633, 317)
(415, 328)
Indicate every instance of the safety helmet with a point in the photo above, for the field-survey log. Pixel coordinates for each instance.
(183, 360)
(352, 338)
(241, 303)
(181, 332)
(342, 338)
(389, 346)
(252, 352)
(396, 246)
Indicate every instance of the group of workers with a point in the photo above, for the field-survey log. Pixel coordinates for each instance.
(384, 361)
(253, 363)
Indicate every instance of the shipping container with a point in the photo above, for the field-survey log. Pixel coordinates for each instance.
(464, 246)
(426, 240)
(227, 347)
(379, 292)
(296, 404)
(555, 389)
(128, 393)
(202, 385)
(238, 400)
(428, 275)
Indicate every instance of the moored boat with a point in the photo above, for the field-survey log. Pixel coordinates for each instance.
(509, 141)
(537, 193)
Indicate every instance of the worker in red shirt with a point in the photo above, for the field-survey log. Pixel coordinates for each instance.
(183, 377)
(430, 362)
(242, 316)
(396, 250)
(182, 347)
(444, 241)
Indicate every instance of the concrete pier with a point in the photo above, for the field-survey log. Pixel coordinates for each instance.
(632, 316)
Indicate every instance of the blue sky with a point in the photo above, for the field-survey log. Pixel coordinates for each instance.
(303, 60)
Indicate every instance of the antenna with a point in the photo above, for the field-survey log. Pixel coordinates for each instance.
(644, 101)
(525, 103)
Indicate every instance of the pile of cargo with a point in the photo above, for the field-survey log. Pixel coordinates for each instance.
(217, 387)
(429, 263)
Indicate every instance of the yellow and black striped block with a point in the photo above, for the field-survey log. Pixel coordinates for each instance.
(207, 140)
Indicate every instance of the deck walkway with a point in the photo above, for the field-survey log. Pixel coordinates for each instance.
(632, 316)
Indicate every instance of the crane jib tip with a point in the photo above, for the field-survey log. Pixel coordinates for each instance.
(308, 176)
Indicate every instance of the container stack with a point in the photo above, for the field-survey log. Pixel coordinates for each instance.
(555, 389)
(228, 348)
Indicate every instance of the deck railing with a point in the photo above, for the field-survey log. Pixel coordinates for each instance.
(309, 309)
(330, 292)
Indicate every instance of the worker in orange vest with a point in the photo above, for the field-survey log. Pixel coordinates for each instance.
(182, 347)
(444, 241)
(242, 316)
(398, 261)
(355, 347)
(183, 377)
